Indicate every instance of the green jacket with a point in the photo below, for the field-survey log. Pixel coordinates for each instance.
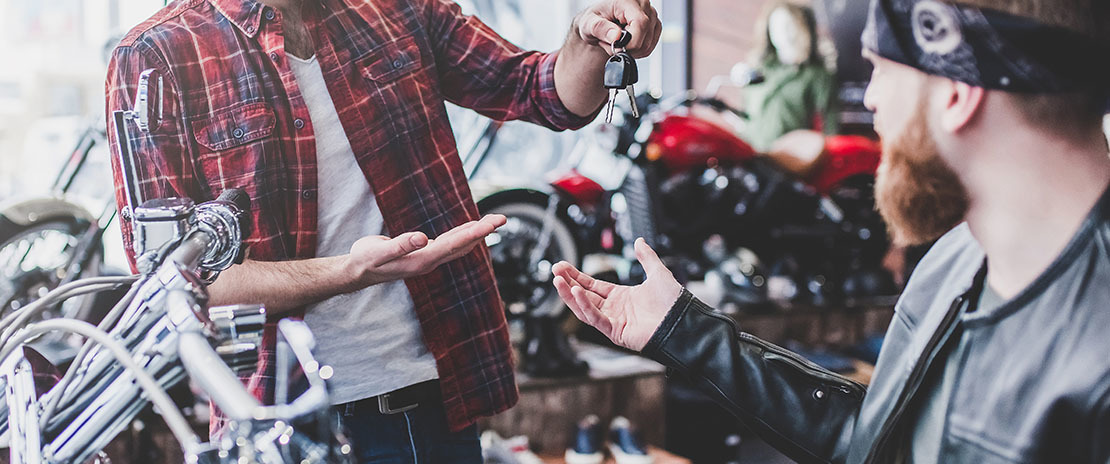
(790, 98)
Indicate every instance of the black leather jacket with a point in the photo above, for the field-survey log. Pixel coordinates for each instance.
(1034, 386)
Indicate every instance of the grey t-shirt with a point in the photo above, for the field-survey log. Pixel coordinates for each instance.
(371, 338)
(928, 429)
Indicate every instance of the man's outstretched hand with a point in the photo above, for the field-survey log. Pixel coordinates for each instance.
(377, 259)
(627, 315)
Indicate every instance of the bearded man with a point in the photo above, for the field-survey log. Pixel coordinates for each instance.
(990, 111)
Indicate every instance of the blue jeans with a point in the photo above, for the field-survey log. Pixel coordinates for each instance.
(418, 436)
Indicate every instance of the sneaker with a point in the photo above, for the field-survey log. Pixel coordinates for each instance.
(515, 450)
(625, 444)
(586, 448)
(522, 451)
(494, 450)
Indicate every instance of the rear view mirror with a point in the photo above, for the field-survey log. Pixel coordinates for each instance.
(147, 115)
(148, 101)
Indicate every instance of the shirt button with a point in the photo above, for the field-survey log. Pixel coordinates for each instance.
(308, 194)
(269, 14)
(298, 123)
(398, 63)
(274, 56)
(237, 133)
(250, 29)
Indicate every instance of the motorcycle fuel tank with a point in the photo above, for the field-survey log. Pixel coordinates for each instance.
(685, 142)
(583, 189)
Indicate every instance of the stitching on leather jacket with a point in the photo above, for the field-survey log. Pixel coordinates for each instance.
(685, 309)
(721, 394)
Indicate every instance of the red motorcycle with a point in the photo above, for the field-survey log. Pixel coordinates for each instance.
(798, 223)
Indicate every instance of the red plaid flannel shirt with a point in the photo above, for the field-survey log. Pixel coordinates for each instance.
(234, 117)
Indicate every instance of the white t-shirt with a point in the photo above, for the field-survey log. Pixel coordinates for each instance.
(371, 338)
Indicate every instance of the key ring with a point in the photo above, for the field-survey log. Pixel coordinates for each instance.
(621, 42)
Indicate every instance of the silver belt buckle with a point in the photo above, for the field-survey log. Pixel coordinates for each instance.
(383, 406)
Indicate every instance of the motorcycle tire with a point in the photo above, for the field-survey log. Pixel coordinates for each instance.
(529, 292)
(22, 282)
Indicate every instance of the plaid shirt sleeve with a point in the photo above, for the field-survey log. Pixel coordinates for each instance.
(162, 157)
(480, 70)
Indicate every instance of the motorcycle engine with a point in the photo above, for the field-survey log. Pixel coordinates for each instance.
(697, 204)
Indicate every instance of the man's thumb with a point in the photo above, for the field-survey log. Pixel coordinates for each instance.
(404, 244)
(647, 257)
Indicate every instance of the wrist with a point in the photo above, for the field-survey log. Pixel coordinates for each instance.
(348, 274)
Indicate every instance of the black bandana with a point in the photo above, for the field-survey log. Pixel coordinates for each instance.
(986, 48)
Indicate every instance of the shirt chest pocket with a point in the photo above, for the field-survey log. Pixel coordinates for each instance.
(235, 142)
(399, 86)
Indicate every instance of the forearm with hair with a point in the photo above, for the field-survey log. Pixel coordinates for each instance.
(282, 285)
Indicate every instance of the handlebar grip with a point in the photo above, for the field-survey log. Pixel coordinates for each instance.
(237, 197)
(241, 200)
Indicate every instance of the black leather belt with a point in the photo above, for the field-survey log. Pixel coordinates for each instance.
(408, 398)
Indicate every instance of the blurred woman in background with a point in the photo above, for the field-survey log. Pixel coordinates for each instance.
(798, 90)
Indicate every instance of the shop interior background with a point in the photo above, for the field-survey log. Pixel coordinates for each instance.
(52, 84)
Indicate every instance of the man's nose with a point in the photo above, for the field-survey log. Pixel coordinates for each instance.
(869, 96)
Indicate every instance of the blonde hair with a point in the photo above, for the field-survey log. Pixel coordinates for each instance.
(763, 51)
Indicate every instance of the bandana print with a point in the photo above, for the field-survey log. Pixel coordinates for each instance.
(985, 48)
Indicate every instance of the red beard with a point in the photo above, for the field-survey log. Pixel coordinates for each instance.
(918, 195)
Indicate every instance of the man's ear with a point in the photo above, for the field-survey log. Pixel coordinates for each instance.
(962, 103)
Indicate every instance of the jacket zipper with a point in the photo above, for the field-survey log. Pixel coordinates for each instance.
(942, 335)
(844, 385)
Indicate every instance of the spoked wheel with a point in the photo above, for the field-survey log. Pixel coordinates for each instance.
(524, 275)
(33, 261)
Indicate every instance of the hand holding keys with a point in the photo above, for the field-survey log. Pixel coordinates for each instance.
(621, 73)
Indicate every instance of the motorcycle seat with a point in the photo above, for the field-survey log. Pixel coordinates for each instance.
(799, 152)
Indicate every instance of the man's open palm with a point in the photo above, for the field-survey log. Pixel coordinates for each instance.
(628, 315)
(376, 259)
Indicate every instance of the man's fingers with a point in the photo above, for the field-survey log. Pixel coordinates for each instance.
(657, 34)
(594, 299)
(487, 225)
(585, 313)
(459, 241)
(587, 281)
(497, 220)
(473, 229)
(592, 311)
(595, 29)
(594, 318)
(637, 23)
(564, 290)
(653, 266)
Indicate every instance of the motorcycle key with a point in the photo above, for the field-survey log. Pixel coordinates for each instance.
(621, 73)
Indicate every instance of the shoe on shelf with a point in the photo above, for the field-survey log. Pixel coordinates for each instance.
(521, 450)
(515, 450)
(625, 444)
(587, 448)
(495, 450)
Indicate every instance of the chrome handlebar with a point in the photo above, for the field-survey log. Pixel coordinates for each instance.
(166, 332)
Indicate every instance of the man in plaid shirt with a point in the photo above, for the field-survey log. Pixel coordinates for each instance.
(330, 115)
